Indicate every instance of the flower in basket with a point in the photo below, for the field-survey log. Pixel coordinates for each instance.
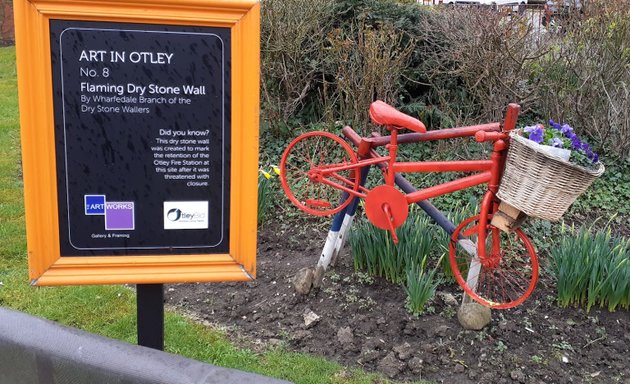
(568, 144)
(541, 162)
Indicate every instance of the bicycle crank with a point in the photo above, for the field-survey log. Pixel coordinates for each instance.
(386, 208)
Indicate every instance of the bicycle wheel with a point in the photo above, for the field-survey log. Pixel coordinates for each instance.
(304, 175)
(502, 279)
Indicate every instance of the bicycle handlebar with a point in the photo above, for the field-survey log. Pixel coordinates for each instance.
(482, 136)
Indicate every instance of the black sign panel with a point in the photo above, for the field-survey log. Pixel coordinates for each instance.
(142, 132)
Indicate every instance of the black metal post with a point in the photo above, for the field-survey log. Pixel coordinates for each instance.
(426, 205)
(150, 302)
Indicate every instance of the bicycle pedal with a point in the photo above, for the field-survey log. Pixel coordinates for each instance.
(390, 217)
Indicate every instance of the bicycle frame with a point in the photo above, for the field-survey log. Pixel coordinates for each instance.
(490, 170)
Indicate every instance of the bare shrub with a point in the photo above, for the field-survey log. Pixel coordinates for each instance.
(575, 71)
(480, 60)
(293, 33)
(366, 63)
(460, 65)
(588, 75)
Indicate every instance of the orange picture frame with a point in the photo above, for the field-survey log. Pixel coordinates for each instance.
(35, 86)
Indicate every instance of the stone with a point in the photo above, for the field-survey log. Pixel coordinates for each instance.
(303, 280)
(416, 364)
(318, 277)
(368, 356)
(517, 375)
(345, 336)
(473, 316)
(310, 318)
(403, 351)
(448, 298)
(459, 368)
(390, 365)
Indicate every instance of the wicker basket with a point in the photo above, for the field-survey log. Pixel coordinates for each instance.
(539, 184)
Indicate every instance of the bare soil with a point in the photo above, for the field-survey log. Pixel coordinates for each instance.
(363, 322)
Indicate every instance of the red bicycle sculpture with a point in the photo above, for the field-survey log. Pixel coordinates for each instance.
(500, 269)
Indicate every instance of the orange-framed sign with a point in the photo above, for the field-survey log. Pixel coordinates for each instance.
(139, 123)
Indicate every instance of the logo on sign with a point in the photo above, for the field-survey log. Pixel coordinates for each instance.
(94, 205)
(119, 215)
(185, 215)
(174, 214)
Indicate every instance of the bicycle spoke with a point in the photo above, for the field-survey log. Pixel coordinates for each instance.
(306, 156)
(508, 277)
(299, 170)
(512, 282)
(316, 151)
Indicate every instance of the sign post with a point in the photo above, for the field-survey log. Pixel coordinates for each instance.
(139, 123)
(150, 302)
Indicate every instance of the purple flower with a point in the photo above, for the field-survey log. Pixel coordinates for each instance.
(566, 130)
(536, 135)
(554, 125)
(575, 142)
(556, 142)
(535, 132)
(529, 129)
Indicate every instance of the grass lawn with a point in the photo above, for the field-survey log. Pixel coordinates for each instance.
(111, 310)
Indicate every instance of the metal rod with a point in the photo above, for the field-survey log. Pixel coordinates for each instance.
(449, 187)
(150, 302)
(437, 216)
(448, 133)
(444, 166)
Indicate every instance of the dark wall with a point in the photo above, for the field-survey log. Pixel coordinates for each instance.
(37, 351)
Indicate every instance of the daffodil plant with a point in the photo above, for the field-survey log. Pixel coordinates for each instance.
(265, 191)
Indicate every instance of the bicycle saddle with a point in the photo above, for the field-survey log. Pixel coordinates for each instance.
(382, 113)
